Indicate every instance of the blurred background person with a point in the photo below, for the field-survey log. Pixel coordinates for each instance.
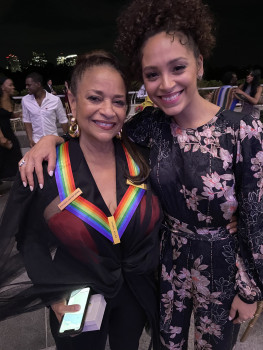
(224, 96)
(49, 87)
(41, 110)
(249, 93)
(10, 152)
(67, 105)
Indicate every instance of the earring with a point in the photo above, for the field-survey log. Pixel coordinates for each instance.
(74, 128)
(119, 135)
(199, 77)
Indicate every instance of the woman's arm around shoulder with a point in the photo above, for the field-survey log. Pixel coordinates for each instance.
(45, 149)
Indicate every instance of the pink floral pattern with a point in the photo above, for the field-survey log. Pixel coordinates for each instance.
(202, 177)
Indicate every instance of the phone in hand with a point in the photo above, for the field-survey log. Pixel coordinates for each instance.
(73, 322)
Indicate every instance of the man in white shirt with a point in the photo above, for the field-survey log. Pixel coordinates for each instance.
(41, 110)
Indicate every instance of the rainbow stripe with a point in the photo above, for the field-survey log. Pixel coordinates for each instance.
(87, 211)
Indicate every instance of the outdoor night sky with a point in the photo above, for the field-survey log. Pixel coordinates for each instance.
(77, 26)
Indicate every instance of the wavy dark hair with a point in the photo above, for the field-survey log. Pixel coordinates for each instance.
(3, 78)
(143, 19)
(103, 58)
(256, 73)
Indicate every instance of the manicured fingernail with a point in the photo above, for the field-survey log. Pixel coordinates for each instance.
(230, 318)
(41, 186)
(51, 173)
(24, 184)
(31, 188)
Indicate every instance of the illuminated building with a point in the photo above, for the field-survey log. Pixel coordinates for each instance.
(69, 60)
(38, 59)
(13, 63)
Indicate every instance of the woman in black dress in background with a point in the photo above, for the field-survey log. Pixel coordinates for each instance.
(10, 152)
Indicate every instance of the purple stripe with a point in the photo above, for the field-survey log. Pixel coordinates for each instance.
(90, 222)
(128, 216)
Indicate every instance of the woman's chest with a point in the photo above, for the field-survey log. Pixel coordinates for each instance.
(193, 159)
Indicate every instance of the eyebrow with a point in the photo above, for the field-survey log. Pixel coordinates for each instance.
(169, 63)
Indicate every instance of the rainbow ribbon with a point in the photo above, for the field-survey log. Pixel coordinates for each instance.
(89, 212)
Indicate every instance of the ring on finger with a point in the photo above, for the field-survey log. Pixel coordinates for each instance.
(22, 162)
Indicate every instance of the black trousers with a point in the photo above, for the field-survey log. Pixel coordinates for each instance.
(123, 322)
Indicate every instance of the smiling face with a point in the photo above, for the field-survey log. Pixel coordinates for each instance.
(8, 87)
(100, 104)
(170, 72)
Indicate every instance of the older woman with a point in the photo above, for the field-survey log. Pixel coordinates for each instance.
(106, 238)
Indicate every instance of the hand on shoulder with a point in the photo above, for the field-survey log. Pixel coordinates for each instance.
(44, 149)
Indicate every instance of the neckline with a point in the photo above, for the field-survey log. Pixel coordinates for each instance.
(82, 162)
(112, 226)
(209, 122)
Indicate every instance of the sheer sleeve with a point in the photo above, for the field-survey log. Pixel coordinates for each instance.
(12, 221)
(249, 183)
(139, 127)
(29, 279)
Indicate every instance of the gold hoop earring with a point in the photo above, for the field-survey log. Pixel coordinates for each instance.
(119, 135)
(73, 128)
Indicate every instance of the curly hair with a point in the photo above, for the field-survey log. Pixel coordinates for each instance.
(142, 19)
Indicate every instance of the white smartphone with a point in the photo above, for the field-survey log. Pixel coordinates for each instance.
(72, 323)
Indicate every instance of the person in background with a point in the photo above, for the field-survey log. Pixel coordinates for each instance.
(146, 103)
(67, 105)
(10, 152)
(113, 177)
(41, 110)
(224, 96)
(49, 87)
(142, 94)
(249, 93)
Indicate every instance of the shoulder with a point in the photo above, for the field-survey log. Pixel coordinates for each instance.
(237, 119)
(26, 98)
(149, 116)
(53, 100)
(232, 117)
(51, 97)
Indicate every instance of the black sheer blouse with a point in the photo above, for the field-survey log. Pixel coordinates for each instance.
(60, 252)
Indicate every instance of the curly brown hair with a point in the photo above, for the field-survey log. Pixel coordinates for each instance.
(142, 19)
